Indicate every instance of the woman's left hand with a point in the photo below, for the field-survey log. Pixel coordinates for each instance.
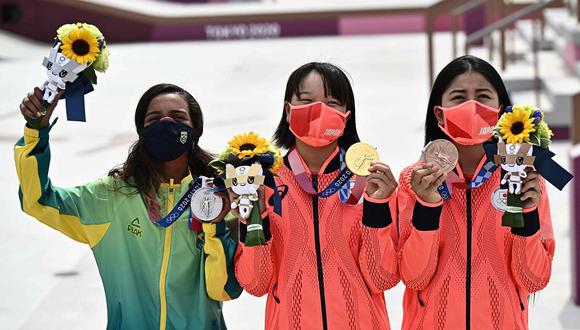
(380, 183)
(531, 190)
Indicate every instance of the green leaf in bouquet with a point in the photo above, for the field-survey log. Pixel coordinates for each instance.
(534, 139)
(217, 164)
(232, 159)
(91, 75)
(545, 143)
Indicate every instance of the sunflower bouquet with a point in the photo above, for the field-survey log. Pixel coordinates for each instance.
(520, 129)
(248, 162)
(78, 51)
(524, 123)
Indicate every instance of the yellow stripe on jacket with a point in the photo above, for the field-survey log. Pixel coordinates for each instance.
(27, 167)
(216, 274)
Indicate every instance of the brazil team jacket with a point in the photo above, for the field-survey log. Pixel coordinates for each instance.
(154, 277)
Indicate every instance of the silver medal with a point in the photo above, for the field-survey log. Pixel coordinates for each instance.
(205, 204)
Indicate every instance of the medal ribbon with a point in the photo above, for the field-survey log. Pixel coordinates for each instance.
(181, 206)
(453, 179)
(343, 178)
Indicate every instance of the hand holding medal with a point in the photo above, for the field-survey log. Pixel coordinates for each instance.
(440, 157)
(363, 160)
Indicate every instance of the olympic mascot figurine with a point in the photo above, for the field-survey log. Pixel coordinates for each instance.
(514, 159)
(249, 162)
(523, 141)
(244, 181)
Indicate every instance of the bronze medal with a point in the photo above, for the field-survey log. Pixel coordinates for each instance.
(443, 153)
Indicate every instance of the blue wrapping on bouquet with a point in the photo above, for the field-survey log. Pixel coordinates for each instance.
(74, 94)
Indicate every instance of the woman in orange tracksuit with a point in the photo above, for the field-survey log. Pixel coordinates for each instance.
(327, 262)
(462, 269)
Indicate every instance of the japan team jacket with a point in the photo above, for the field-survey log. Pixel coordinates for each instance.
(461, 267)
(326, 264)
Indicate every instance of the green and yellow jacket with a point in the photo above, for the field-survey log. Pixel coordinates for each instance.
(154, 277)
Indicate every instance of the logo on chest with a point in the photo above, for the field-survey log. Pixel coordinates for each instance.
(282, 191)
(135, 228)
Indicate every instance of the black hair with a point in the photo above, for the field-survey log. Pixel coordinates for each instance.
(336, 84)
(458, 66)
(140, 171)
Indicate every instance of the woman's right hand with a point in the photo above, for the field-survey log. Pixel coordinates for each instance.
(31, 106)
(425, 179)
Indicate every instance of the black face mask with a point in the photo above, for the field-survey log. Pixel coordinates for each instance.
(167, 139)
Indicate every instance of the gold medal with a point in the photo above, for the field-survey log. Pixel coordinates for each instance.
(359, 157)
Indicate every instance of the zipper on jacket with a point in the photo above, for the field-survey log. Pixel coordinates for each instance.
(522, 307)
(468, 268)
(165, 263)
(421, 303)
(318, 253)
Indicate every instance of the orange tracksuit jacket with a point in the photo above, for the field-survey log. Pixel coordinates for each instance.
(462, 269)
(327, 264)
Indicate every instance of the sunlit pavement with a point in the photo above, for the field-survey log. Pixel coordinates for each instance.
(48, 281)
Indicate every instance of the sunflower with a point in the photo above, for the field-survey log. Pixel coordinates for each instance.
(248, 145)
(516, 126)
(80, 45)
(277, 158)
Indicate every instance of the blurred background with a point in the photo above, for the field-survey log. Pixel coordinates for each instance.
(235, 58)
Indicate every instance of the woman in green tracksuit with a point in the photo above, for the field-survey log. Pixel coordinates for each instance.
(155, 277)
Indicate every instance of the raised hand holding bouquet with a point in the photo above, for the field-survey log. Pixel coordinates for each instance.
(78, 51)
(524, 138)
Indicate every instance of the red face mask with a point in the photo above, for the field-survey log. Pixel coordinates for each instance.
(470, 122)
(317, 124)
